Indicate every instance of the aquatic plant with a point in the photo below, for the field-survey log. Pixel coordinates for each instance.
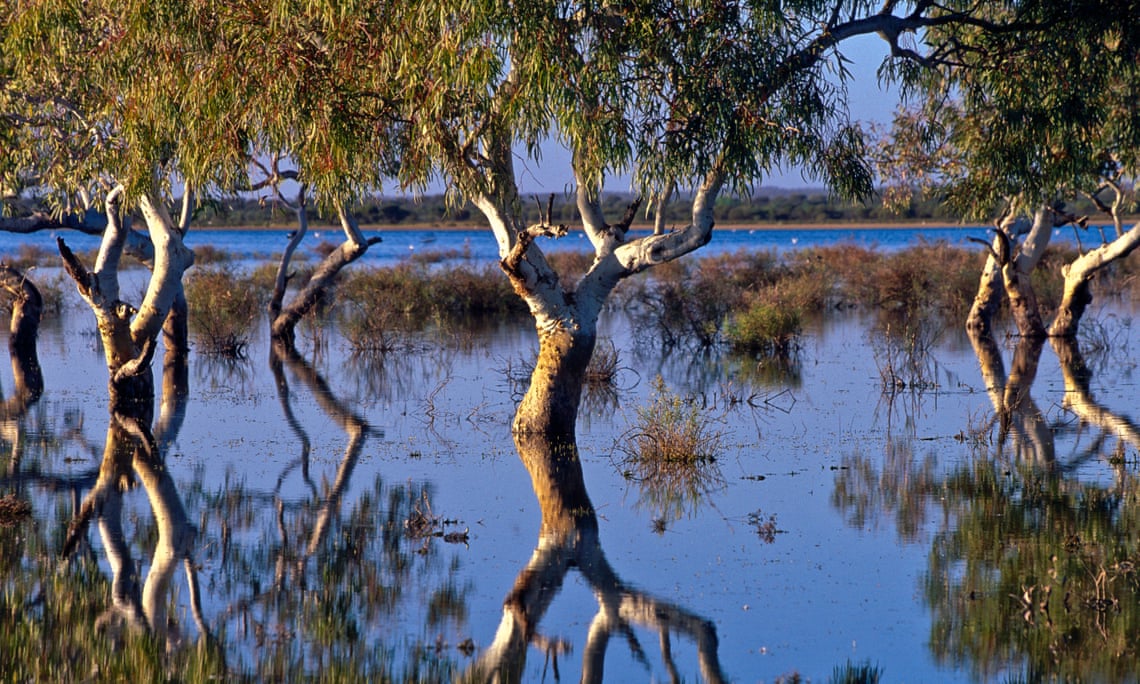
(671, 453)
(223, 308)
(765, 329)
(852, 673)
(671, 431)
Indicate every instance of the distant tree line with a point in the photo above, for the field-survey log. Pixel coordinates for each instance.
(775, 207)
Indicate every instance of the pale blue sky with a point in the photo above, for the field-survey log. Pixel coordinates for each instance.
(868, 102)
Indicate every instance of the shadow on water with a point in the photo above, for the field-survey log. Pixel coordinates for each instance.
(1035, 540)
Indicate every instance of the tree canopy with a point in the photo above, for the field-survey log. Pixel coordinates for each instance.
(352, 94)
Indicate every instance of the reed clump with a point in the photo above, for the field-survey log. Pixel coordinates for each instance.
(377, 305)
(223, 308)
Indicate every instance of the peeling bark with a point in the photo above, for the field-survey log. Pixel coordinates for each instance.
(550, 405)
(569, 539)
(987, 302)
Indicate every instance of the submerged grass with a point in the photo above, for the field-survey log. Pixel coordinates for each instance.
(223, 308)
(671, 453)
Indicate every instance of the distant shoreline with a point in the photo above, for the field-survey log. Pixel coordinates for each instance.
(837, 225)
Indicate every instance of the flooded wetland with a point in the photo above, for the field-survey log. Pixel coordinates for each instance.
(885, 496)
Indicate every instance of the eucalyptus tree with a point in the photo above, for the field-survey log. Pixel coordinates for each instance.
(1025, 120)
(694, 99)
(104, 106)
(312, 84)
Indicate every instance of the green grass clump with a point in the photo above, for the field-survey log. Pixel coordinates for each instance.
(671, 453)
(672, 434)
(765, 329)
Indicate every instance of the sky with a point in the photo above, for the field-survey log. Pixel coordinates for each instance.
(868, 102)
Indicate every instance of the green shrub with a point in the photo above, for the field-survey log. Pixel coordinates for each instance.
(765, 329)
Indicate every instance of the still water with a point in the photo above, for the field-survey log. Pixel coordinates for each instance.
(399, 245)
(978, 524)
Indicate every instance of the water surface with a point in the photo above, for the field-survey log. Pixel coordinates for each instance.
(974, 525)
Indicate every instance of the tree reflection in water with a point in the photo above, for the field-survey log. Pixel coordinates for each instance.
(133, 451)
(1032, 572)
(568, 538)
(290, 589)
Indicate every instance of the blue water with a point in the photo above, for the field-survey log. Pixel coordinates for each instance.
(479, 245)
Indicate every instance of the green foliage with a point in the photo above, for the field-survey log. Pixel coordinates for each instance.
(672, 432)
(671, 453)
(766, 330)
(1024, 116)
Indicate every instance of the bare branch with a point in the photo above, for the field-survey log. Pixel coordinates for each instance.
(84, 279)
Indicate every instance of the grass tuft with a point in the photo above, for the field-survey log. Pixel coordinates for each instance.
(223, 308)
(766, 330)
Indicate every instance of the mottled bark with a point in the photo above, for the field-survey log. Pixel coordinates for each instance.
(130, 336)
(991, 292)
(285, 318)
(568, 539)
(550, 405)
(1077, 293)
(566, 322)
(1017, 248)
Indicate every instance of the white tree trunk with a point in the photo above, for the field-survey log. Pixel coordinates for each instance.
(1017, 248)
(129, 335)
(1078, 280)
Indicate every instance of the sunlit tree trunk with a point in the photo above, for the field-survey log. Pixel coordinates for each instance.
(1017, 248)
(284, 318)
(130, 335)
(1078, 280)
(566, 321)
